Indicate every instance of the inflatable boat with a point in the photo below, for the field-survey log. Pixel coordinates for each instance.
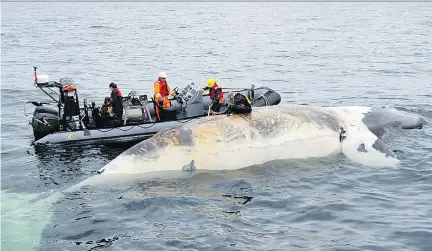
(68, 122)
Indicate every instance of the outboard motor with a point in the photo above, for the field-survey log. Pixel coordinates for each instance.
(45, 120)
(44, 124)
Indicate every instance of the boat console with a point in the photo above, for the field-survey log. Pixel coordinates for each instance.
(191, 102)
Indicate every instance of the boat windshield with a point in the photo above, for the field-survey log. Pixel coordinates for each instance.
(66, 81)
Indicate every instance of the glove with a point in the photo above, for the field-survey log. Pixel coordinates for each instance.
(160, 100)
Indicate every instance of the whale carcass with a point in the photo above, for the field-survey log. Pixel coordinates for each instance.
(268, 133)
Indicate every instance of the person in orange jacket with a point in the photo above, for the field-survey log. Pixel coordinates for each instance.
(216, 94)
(162, 90)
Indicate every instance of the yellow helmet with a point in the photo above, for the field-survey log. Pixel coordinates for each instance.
(211, 82)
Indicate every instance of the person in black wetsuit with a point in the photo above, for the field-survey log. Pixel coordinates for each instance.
(104, 116)
(107, 109)
(116, 100)
(239, 104)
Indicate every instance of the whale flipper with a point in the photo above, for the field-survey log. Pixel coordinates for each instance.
(189, 167)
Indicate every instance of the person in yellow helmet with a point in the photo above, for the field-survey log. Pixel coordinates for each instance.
(216, 94)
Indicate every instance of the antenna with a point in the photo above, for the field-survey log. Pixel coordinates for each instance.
(28, 60)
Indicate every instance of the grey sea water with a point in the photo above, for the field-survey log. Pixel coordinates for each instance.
(371, 54)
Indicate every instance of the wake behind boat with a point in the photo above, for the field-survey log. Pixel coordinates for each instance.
(70, 123)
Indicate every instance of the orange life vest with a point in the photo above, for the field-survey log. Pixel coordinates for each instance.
(69, 88)
(216, 90)
(163, 88)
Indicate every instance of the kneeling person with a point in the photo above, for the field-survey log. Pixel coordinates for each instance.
(240, 104)
(107, 110)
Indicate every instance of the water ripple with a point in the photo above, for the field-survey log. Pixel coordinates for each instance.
(323, 54)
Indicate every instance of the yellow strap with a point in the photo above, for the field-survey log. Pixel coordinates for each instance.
(208, 114)
(246, 98)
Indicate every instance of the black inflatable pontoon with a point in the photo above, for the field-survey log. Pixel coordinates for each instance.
(71, 124)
